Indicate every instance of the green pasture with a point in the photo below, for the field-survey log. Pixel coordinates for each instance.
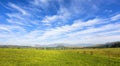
(69, 57)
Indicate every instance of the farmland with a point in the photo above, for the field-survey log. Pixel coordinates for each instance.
(68, 57)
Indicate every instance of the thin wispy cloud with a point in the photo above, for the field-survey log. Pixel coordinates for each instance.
(116, 17)
(59, 21)
(18, 8)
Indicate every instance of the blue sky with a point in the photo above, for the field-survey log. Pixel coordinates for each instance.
(33, 22)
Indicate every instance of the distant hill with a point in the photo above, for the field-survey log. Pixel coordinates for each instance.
(62, 45)
(12, 46)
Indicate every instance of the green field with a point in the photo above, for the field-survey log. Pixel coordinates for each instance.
(68, 57)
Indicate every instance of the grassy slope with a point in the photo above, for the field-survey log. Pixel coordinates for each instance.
(33, 57)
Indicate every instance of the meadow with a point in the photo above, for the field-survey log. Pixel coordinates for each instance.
(67, 57)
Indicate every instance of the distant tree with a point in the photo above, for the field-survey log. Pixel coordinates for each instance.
(116, 44)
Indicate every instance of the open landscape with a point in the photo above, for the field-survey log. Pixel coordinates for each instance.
(59, 32)
(68, 57)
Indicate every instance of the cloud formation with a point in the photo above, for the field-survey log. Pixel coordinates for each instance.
(18, 8)
(59, 21)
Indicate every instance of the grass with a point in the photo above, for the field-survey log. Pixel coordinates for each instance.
(79, 57)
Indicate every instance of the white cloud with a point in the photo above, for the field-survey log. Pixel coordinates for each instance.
(18, 8)
(76, 35)
(11, 27)
(116, 17)
(91, 22)
(94, 30)
(9, 32)
(44, 4)
(91, 38)
(49, 19)
(38, 2)
(39, 36)
(18, 19)
(76, 26)
(62, 15)
(24, 18)
(72, 34)
(103, 39)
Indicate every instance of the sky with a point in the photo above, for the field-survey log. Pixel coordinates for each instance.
(45, 22)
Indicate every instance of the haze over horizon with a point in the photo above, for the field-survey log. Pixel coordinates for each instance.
(43, 22)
